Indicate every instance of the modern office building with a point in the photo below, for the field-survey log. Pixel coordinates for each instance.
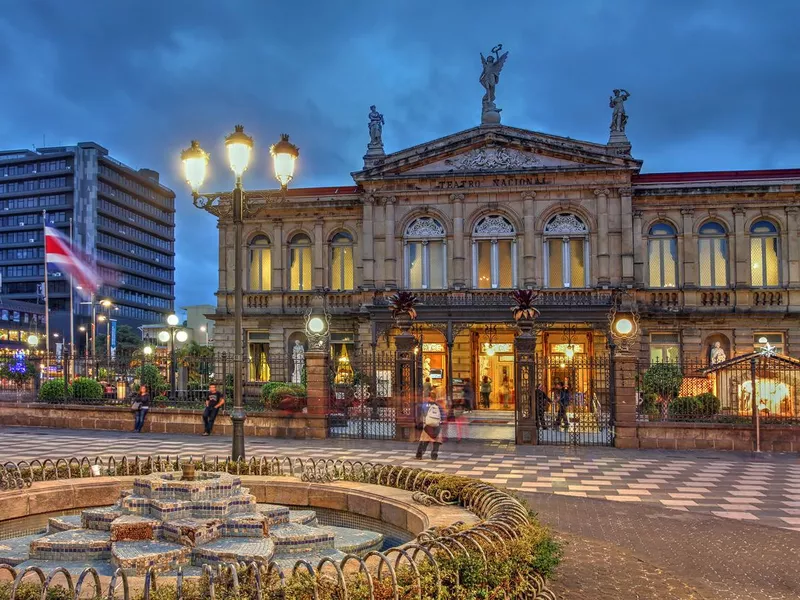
(122, 218)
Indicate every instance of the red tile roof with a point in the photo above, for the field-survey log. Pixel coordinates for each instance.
(690, 176)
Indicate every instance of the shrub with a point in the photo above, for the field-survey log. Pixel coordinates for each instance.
(150, 376)
(663, 380)
(709, 403)
(86, 389)
(285, 396)
(683, 407)
(268, 387)
(53, 390)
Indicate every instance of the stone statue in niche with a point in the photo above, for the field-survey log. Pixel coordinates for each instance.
(376, 124)
(490, 77)
(299, 359)
(618, 117)
(717, 354)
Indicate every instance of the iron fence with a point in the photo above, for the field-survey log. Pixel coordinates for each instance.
(114, 381)
(731, 392)
(363, 399)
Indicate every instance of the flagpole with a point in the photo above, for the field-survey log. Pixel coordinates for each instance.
(46, 290)
(71, 299)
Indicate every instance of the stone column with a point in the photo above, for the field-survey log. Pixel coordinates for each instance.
(624, 366)
(638, 243)
(390, 263)
(459, 259)
(688, 278)
(604, 275)
(319, 255)
(318, 393)
(405, 384)
(792, 245)
(277, 255)
(626, 216)
(529, 240)
(741, 249)
(368, 243)
(526, 379)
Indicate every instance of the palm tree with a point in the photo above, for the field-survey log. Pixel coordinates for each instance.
(402, 304)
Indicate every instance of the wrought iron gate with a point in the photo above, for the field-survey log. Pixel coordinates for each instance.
(363, 401)
(567, 402)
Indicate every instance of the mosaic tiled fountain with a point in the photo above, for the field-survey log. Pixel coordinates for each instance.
(169, 521)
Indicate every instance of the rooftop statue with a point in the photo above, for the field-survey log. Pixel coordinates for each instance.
(490, 77)
(618, 117)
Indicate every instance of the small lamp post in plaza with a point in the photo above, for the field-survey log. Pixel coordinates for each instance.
(173, 333)
(222, 204)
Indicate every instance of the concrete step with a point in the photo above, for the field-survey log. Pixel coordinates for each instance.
(293, 538)
(354, 541)
(64, 523)
(229, 549)
(136, 557)
(72, 545)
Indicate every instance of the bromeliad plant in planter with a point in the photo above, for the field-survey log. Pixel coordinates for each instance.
(523, 308)
(402, 305)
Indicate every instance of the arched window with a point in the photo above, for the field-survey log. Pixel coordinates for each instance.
(566, 252)
(494, 253)
(425, 255)
(300, 266)
(260, 264)
(342, 262)
(764, 257)
(662, 256)
(713, 246)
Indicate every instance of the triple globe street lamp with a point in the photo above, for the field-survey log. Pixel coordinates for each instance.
(173, 333)
(236, 203)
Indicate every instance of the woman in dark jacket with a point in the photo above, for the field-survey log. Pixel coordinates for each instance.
(141, 405)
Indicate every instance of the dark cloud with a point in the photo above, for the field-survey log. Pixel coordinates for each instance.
(714, 84)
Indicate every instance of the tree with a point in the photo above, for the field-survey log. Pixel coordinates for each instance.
(128, 341)
(663, 380)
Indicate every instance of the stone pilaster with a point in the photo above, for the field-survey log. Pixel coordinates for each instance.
(638, 242)
(277, 255)
(626, 217)
(625, 371)
(792, 245)
(390, 262)
(368, 243)
(529, 240)
(459, 259)
(688, 278)
(603, 275)
(741, 249)
(319, 255)
(317, 392)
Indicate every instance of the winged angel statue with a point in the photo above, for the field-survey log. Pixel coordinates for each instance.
(492, 65)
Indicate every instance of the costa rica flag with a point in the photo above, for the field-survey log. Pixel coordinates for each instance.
(59, 252)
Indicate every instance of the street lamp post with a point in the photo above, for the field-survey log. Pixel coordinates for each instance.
(222, 204)
(174, 332)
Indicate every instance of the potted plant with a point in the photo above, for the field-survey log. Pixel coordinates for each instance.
(523, 308)
(402, 305)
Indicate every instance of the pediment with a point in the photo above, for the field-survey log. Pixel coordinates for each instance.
(497, 149)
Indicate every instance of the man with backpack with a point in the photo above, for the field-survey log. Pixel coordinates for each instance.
(432, 417)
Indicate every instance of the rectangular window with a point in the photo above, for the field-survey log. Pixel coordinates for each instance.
(505, 260)
(664, 347)
(414, 250)
(260, 269)
(554, 263)
(342, 268)
(713, 262)
(663, 263)
(484, 264)
(300, 268)
(577, 266)
(436, 265)
(773, 339)
(764, 261)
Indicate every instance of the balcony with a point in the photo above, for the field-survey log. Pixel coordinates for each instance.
(295, 302)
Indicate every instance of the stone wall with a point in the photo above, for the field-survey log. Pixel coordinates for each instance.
(715, 436)
(275, 424)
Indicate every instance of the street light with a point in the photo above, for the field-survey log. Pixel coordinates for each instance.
(33, 340)
(170, 336)
(222, 204)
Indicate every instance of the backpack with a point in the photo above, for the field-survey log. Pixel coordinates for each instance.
(433, 416)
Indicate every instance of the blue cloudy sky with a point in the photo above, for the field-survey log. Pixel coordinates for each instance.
(714, 84)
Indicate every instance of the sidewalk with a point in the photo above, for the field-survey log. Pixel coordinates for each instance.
(763, 489)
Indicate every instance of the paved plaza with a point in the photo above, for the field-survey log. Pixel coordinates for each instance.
(637, 524)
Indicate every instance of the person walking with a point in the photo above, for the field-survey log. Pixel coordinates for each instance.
(486, 391)
(542, 400)
(427, 389)
(214, 402)
(431, 416)
(505, 391)
(140, 406)
(562, 395)
(469, 396)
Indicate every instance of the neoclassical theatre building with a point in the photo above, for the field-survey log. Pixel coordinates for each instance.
(464, 219)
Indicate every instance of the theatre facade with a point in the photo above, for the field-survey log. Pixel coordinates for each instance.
(711, 260)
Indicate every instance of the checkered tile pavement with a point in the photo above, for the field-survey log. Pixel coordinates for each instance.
(765, 490)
